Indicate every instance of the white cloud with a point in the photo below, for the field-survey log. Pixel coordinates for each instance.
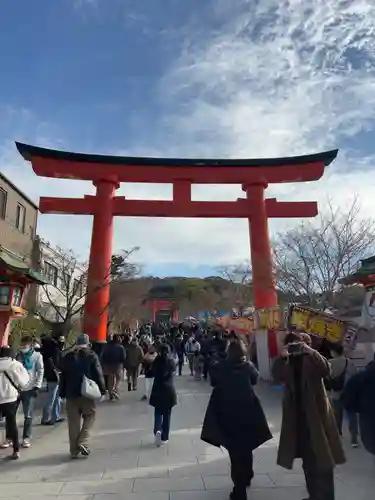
(277, 78)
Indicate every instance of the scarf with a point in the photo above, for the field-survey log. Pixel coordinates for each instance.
(27, 362)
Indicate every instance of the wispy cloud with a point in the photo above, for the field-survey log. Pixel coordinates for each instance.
(278, 77)
(253, 78)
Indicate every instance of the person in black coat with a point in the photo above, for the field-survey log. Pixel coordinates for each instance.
(52, 357)
(180, 350)
(234, 418)
(359, 397)
(163, 395)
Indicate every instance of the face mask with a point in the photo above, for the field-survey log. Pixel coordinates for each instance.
(25, 350)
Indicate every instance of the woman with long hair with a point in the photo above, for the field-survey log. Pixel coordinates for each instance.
(235, 419)
(163, 395)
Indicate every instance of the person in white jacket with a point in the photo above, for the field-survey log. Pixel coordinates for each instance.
(13, 379)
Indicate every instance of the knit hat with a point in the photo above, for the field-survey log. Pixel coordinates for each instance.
(83, 339)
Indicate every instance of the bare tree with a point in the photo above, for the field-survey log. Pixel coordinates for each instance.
(310, 258)
(194, 295)
(66, 291)
(240, 278)
(126, 301)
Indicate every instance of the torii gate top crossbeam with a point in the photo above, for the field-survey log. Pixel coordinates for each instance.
(79, 166)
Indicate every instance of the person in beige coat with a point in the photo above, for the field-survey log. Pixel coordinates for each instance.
(308, 429)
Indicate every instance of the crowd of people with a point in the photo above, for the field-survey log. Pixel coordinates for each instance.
(317, 394)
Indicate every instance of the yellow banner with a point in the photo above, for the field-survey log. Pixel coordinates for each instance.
(317, 323)
(270, 319)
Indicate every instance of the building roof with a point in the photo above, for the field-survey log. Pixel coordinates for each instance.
(18, 190)
(365, 274)
(16, 263)
(28, 151)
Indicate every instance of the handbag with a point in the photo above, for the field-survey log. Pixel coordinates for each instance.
(90, 389)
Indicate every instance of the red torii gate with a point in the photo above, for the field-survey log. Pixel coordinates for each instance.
(106, 173)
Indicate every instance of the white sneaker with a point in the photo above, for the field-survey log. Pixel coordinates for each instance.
(26, 443)
(158, 441)
(165, 442)
(7, 444)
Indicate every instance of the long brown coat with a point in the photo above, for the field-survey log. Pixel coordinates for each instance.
(324, 435)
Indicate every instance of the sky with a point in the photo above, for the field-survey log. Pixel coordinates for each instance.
(191, 78)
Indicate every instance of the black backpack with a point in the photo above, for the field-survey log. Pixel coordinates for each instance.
(337, 384)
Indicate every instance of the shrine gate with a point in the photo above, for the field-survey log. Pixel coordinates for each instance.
(106, 173)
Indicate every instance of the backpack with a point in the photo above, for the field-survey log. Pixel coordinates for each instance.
(337, 384)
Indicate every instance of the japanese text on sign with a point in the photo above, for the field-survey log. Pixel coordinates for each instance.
(317, 324)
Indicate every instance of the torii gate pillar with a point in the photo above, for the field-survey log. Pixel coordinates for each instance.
(95, 318)
(260, 249)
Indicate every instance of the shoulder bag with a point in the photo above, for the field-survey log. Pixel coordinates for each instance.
(337, 383)
(12, 382)
(90, 389)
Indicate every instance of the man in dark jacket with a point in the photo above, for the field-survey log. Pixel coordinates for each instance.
(79, 362)
(113, 362)
(359, 397)
(52, 356)
(180, 351)
(205, 351)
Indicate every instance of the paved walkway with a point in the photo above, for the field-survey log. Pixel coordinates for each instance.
(125, 465)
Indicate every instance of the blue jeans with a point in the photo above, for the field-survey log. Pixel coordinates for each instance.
(52, 408)
(162, 423)
(28, 404)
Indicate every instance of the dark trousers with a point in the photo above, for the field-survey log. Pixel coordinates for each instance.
(180, 364)
(9, 411)
(242, 472)
(162, 423)
(132, 374)
(190, 358)
(206, 361)
(319, 482)
(352, 420)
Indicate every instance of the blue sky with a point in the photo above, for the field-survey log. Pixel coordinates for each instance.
(245, 78)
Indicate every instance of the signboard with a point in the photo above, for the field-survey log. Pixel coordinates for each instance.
(239, 325)
(318, 323)
(269, 319)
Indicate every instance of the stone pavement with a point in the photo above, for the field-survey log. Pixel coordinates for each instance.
(125, 465)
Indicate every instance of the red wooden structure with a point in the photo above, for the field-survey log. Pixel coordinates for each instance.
(15, 279)
(106, 173)
(161, 305)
